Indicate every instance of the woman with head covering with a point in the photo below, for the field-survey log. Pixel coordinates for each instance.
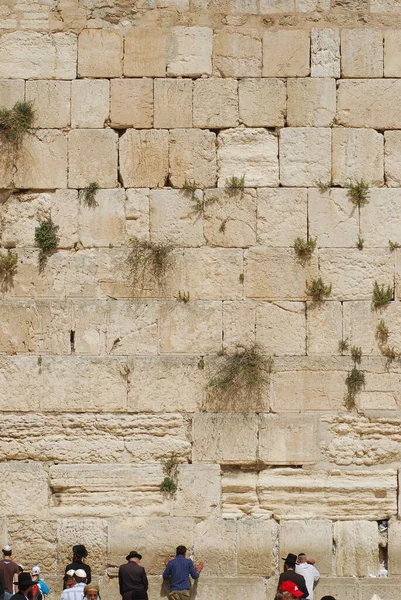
(132, 578)
(91, 592)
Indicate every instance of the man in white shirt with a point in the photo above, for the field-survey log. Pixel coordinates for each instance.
(309, 572)
(76, 592)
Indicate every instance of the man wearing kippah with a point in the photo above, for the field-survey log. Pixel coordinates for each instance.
(79, 552)
(8, 572)
(76, 592)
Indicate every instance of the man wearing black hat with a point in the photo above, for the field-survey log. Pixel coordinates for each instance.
(132, 578)
(24, 584)
(289, 574)
(78, 553)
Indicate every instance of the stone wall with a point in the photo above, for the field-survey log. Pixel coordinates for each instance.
(102, 378)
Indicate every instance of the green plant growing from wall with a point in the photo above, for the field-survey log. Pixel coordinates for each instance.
(47, 239)
(356, 354)
(199, 204)
(183, 297)
(382, 295)
(88, 194)
(355, 381)
(343, 346)
(8, 269)
(235, 185)
(189, 187)
(323, 186)
(382, 332)
(304, 248)
(360, 243)
(16, 121)
(358, 193)
(169, 485)
(149, 262)
(317, 290)
(393, 245)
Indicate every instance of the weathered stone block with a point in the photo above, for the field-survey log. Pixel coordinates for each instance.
(333, 219)
(199, 491)
(262, 102)
(239, 494)
(132, 328)
(392, 53)
(137, 213)
(361, 53)
(236, 588)
(286, 53)
(314, 537)
(324, 327)
(51, 102)
(173, 219)
(215, 438)
(89, 324)
(325, 52)
(341, 587)
(381, 218)
(257, 550)
(192, 328)
(145, 52)
(311, 102)
(91, 532)
(41, 532)
(357, 548)
(287, 439)
(30, 55)
(215, 103)
(216, 542)
(11, 91)
(249, 152)
(276, 6)
(189, 51)
(81, 274)
(230, 219)
(89, 103)
(41, 161)
(173, 103)
(28, 481)
(392, 155)
(192, 155)
(360, 324)
(92, 155)
(357, 154)
(305, 156)
(144, 158)
(237, 53)
(394, 548)
(103, 224)
(20, 216)
(131, 103)
(64, 214)
(281, 327)
(239, 323)
(282, 216)
(369, 103)
(383, 588)
(315, 391)
(100, 53)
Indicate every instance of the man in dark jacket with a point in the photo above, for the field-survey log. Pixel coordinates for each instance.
(289, 574)
(79, 552)
(132, 578)
(24, 585)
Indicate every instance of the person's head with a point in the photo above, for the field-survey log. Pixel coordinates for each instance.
(79, 552)
(6, 550)
(133, 556)
(327, 598)
(180, 551)
(80, 576)
(91, 591)
(283, 596)
(289, 561)
(25, 582)
(20, 568)
(69, 580)
(291, 588)
(35, 573)
(302, 558)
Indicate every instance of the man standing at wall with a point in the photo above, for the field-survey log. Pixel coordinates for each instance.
(289, 574)
(178, 571)
(309, 572)
(8, 572)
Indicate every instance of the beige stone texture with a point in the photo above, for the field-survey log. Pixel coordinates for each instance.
(28, 482)
(144, 158)
(236, 588)
(305, 6)
(199, 491)
(392, 155)
(81, 273)
(137, 213)
(352, 274)
(91, 532)
(239, 323)
(11, 91)
(6, 166)
(103, 224)
(189, 51)
(42, 536)
(216, 541)
(64, 214)
(51, 102)
(305, 154)
(215, 103)
(361, 321)
(237, 53)
(41, 162)
(324, 327)
(314, 391)
(287, 439)
(394, 549)
(392, 53)
(281, 216)
(89, 324)
(342, 587)
(276, 6)
(286, 53)
(276, 274)
(333, 219)
(173, 103)
(357, 548)
(311, 102)
(249, 152)
(89, 103)
(369, 103)
(257, 547)
(230, 219)
(386, 6)
(131, 103)
(383, 588)
(215, 438)
(239, 496)
(361, 53)
(20, 216)
(173, 220)
(192, 328)
(100, 53)
(380, 218)
(145, 52)
(357, 154)
(315, 537)
(325, 53)
(35, 55)
(262, 102)
(281, 327)
(132, 328)
(192, 157)
(92, 157)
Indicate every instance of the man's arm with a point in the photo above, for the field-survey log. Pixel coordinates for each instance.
(167, 571)
(193, 571)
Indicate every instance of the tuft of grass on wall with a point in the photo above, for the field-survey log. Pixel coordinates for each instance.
(382, 295)
(355, 382)
(304, 248)
(16, 121)
(47, 239)
(8, 269)
(317, 290)
(148, 261)
(88, 194)
(169, 485)
(358, 193)
(234, 185)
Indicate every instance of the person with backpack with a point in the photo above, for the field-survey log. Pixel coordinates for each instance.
(41, 588)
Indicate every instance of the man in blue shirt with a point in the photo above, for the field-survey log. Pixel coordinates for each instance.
(178, 571)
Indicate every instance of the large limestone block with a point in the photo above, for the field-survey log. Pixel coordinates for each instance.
(100, 53)
(281, 327)
(41, 162)
(342, 587)
(89, 103)
(131, 103)
(276, 6)
(145, 52)
(239, 323)
(383, 588)
(357, 154)
(215, 103)
(144, 158)
(325, 52)
(281, 216)
(286, 53)
(315, 391)
(237, 53)
(369, 103)
(353, 273)
(42, 536)
(394, 548)
(29, 283)
(239, 496)
(189, 51)
(92, 155)
(315, 538)
(173, 103)
(392, 155)
(215, 438)
(103, 224)
(381, 390)
(30, 55)
(172, 219)
(51, 102)
(20, 216)
(311, 102)
(81, 274)
(333, 219)
(361, 53)
(89, 324)
(324, 327)
(192, 157)
(276, 274)
(28, 482)
(91, 532)
(137, 213)
(235, 588)
(6, 165)
(360, 324)
(357, 548)
(191, 328)
(230, 219)
(287, 439)
(132, 328)
(305, 156)
(216, 544)
(262, 102)
(381, 218)
(11, 91)
(392, 53)
(249, 152)
(199, 491)
(64, 214)
(257, 547)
